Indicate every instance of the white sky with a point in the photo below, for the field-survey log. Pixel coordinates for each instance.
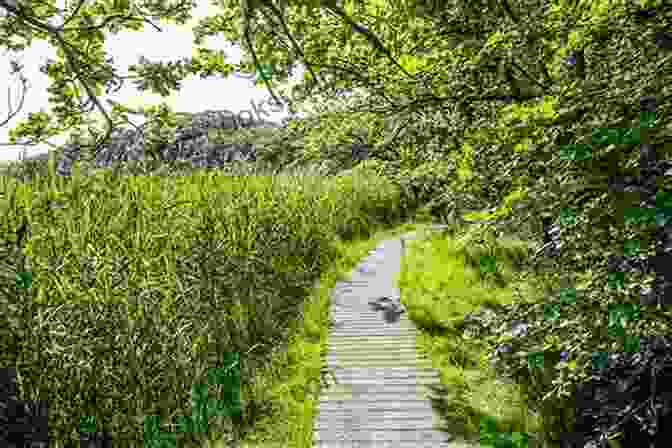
(175, 42)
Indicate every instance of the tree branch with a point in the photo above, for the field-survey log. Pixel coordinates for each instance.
(279, 15)
(331, 7)
(16, 68)
(70, 59)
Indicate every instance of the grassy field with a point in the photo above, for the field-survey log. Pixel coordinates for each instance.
(280, 233)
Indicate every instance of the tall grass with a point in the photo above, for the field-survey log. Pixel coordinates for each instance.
(141, 283)
(441, 283)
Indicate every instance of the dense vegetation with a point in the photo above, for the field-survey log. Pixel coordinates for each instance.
(467, 105)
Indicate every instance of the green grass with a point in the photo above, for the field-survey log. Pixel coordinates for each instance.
(440, 282)
(280, 366)
(298, 392)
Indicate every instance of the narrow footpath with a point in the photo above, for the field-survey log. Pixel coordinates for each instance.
(380, 398)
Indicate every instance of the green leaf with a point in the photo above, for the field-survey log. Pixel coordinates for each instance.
(374, 7)
(349, 8)
(121, 5)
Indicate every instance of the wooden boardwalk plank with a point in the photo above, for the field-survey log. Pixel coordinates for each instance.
(380, 398)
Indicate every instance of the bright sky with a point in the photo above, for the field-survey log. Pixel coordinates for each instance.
(175, 42)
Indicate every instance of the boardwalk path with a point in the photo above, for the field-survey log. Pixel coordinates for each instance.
(380, 399)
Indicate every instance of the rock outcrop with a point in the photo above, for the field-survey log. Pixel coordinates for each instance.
(192, 144)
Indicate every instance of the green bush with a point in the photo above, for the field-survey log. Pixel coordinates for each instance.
(428, 185)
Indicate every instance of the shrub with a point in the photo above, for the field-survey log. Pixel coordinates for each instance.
(631, 396)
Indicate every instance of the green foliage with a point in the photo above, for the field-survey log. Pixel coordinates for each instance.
(207, 62)
(433, 120)
(428, 184)
(274, 231)
(39, 124)
(442, 280)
